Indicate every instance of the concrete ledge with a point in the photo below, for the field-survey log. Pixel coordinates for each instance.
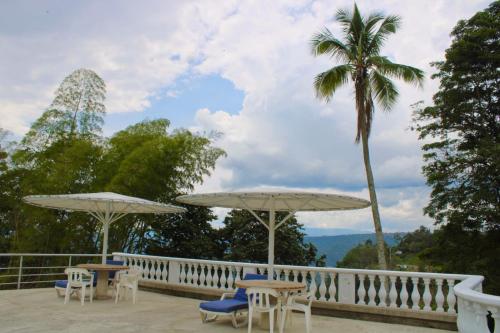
(359, 312)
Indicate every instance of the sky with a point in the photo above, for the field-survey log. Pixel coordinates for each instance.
(242, 69)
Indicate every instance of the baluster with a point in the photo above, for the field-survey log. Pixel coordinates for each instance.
(393, 294)
(371, 291)
(230, 278)
(404, 293)
(295, 275)
(439, 295)
(164, 272)
(223, 278)
(189, 276)
(451, 299)
(183, 272)
(216, 277)
(312, 286)
(322, 287)
(427, 297)
(209, 276)
(361, 289)
(332, 290)
(202, 275)
(237, 277)
(158, 270)
(382, 293)
(151, 270)
(277, 271)
(495, 314)
(415, 295)
(287, 274)
(143, 271)
(195, 275)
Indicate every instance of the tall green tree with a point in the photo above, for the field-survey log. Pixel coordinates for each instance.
(76, 111)
(245, 239)
(358, 51)
(462, 149)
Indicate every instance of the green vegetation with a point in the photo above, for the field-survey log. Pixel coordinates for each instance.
(462, 151)
(65, 152)
(370, 72)
(245, 239)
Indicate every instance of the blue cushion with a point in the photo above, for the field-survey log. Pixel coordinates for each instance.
(226, 305)
(241, 292)
(61, 283)
(114, 262)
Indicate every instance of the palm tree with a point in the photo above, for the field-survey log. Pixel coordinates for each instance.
(361, 62)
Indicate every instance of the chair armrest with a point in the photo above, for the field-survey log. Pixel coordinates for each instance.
(227, 295)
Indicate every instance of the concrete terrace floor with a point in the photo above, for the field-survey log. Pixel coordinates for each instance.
(40, 310)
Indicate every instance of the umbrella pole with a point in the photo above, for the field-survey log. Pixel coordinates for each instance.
(270, 259)
(105, 242)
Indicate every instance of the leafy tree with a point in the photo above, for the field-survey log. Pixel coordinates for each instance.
(462, 149)
(76, 111)
(370, 72)
(363, 256)
(246, 239)
(187, 235)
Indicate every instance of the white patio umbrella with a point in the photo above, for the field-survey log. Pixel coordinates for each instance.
(106, 207)
(273, 202)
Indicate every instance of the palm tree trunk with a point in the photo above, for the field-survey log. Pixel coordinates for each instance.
(373, 198)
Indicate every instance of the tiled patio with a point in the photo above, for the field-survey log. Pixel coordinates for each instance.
(40, 310)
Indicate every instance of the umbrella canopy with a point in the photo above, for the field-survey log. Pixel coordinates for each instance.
(106, 207)
(275, 201)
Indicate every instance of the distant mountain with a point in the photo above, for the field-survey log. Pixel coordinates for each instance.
(313, 232)
(336, 247)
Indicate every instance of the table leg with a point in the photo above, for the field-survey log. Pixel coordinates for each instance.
(102, 285)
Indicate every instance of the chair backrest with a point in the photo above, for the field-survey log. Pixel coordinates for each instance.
(259, 298)
(241, 292)
(130, 276)
(76, 276)
(114, 262)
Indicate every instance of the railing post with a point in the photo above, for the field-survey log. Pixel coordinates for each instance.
(173, 272)
(69, 262)
(346, 288)
(20, 273)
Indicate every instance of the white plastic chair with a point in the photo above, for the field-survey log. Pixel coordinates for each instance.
(78, 280)
(259, 301)
(303, 305)
(127, 280)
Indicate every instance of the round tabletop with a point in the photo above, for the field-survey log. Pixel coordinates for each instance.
(276, 285)
(102, 267)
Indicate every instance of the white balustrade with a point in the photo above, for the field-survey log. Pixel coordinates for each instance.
(415, 291)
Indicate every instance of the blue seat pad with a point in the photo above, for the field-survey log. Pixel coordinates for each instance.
(226, 305)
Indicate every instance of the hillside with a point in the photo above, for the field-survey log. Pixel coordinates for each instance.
(335, 247)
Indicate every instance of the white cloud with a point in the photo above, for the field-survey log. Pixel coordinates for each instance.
(282, 136)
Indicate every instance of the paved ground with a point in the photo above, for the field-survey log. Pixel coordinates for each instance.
(40, 310)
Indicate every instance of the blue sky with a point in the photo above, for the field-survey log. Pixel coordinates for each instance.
(243, 69)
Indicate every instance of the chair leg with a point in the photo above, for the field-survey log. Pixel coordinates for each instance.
(91, 293)
(82, 295)
(271, 321)
(117, 293)
(66, 295)
(308, 321)
(134, 292)
(283, 319)
(250, 319)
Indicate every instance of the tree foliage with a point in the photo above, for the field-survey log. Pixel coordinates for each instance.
(462, 149)
(246, 239)
(76, 111)
(362, 256)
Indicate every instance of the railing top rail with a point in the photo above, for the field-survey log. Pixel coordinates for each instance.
(52, 255)
(318, 269)
(465, 290)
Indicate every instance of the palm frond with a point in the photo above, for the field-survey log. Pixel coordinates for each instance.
(328, 82)
(325, 43)
(388, 26)
(406, 73)
(384, 90)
